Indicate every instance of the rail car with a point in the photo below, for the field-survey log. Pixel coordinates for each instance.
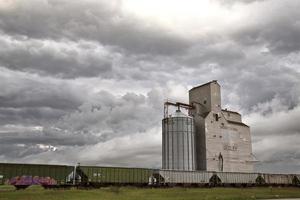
(279, 179)
(104, 176)
(54, 176)
(182, 178)
(237, 178)
(240, 179)
(24, 175)
(206, 178)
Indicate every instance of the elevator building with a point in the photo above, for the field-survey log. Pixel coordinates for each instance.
(217, 141)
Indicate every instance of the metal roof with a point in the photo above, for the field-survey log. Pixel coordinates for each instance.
(230, 111)
(178, 113)
(213, 81)
(237, 123)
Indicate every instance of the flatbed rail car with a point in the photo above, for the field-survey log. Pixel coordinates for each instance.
(182, 178)
(104, 176)
(24, 175)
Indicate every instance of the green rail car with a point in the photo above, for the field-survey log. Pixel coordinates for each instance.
(24, 175)
(97, 176)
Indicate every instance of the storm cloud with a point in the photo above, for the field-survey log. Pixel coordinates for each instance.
(85, 81)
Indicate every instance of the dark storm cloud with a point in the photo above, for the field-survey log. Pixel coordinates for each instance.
(262, 84)
(92, 20)
(277, 123)
(248, 78)
(120, 125)
(29, 115)
(123, 151)
(149, 151)
(49, 136)
(60, 58)
(277, 28)
(278, 153)
(30, 99)
(25, 90)
(223, 53)
(18, 151)
(108, 116)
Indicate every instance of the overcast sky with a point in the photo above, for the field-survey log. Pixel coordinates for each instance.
(84, 81)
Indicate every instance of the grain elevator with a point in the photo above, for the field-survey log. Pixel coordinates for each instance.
(179, 142)
(208, 138)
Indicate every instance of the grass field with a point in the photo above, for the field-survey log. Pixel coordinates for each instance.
(131, 193)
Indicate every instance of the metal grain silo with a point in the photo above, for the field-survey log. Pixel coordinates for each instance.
(178, 142)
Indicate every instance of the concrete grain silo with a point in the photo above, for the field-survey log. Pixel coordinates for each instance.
(210, 138)
(223, 141)
(178, 143)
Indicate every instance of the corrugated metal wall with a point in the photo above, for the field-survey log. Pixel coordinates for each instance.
(178, 143)
(116, 174)
(182, 177)
(57, 172)
(237, 177)
(278, 179)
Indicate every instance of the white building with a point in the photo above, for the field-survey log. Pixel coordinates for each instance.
(222, 140)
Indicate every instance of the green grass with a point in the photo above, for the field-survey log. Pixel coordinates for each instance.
(131, 193)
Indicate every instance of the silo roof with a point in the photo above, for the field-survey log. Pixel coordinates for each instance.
(213, 81)
(178, 113)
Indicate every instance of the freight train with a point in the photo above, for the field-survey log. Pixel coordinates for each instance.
(59, 176)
